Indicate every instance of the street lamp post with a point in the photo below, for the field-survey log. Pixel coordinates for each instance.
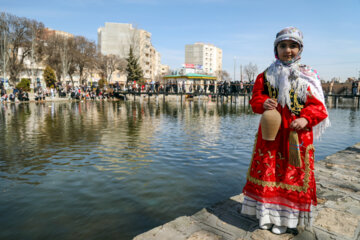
(234, 67)
(241, 73)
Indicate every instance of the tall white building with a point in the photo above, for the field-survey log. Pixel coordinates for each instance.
(116, 39)
(205, 56)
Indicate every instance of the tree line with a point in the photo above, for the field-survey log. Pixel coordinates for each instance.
(26, 43)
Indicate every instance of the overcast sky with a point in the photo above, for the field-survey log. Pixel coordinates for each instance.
(244, 29)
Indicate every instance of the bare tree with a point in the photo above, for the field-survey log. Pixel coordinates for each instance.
(108, 64)
(250, 71)
(85, 54)
(67, 59)
(59, 55)
(37, 49)
(77, 57)
(52, 51)
(223, 75)
(17, 33)
(4, 45)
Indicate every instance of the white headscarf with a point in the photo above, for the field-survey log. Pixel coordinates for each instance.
(285, 76)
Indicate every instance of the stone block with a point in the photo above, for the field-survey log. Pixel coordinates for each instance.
(268, 235)
(224, 223)
(321, 234)
(204, 235)
(178, 229)
(305, 235)
(338, 222)
(238, 198)
(346, 203)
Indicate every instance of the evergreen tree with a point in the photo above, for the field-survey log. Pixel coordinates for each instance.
(102, 82)
(133, 69)
(24, 84)
(49, 77)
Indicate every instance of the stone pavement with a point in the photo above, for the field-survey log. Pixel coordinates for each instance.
(337, 215)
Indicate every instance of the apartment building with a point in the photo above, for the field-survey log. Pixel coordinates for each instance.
(51, 32)
(205, 56)
(116, 38)
(164, 69)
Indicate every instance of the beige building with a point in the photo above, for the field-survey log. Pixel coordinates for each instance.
(51, 32)
(116, 38)
(204, 56)
(164, 69)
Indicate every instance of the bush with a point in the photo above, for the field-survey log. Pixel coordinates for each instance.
(102, 82)
(49, 77)
(24, 84)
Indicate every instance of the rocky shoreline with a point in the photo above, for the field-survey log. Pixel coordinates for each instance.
(337, 215)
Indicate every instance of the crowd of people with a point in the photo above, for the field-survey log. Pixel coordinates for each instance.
(113, 91)
(82, 92)
(16, 94)
(77, 93)
(195, 87)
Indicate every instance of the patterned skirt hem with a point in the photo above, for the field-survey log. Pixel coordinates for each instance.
(280, 215)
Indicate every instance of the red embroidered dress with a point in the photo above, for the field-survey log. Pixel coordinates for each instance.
(271, 179)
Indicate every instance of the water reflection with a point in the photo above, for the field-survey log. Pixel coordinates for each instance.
(113, 137)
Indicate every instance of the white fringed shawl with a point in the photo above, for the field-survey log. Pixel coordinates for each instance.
(299, 77)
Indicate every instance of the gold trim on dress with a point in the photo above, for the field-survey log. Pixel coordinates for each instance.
(296, 107)
(282, 185)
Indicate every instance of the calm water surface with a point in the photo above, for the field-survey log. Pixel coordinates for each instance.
(112, 170)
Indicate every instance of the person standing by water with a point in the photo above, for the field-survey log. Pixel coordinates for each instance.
(280, 191)
(331, 87)
(354, 87)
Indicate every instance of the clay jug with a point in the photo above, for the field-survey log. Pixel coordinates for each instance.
(270, 123)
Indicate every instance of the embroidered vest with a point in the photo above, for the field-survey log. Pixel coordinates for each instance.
(296, 103)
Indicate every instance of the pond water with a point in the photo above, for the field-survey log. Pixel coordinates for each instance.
(112, 170)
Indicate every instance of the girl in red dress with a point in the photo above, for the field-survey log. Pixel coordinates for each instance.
(279, 191)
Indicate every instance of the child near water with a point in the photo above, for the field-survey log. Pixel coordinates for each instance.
(281, 191)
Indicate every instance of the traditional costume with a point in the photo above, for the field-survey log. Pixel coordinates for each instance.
(280, 190)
